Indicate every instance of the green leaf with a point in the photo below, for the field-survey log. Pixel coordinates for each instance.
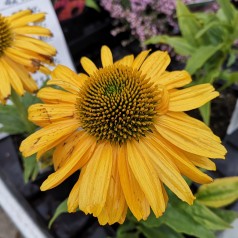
(206, 28)
(180, 220)
(29, 99)
(62, 208)
(180, 45)
(200, 57)
(188, 24)
(230, 78)
(10, 120)
(220, 193)
(231, 59)
(205, 111)
(228, 9)
(92, 4)
(152, 221)
(227, 215)
(31, 168)
(161, 232)
(205, 217)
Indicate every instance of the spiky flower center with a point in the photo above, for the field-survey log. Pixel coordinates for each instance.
(5, 35)
(117, 104)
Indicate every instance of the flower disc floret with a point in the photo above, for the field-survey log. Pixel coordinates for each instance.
(117, 104)
(5, 35)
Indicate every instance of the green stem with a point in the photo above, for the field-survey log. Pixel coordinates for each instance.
(22, 111)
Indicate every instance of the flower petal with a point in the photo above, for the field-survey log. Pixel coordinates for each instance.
(5, 88)
(147, 178)
(73, 200)
(134, 196)
(64, 150)
(175, 79)
(88, 65)
(192, 97)
(115, 203)
(155, 65)
(66, 78)
(56, 96)
(47, 136)
(189, 135)
(82, 153)
(95, 180)
(200, 161)
(167, 173)
(106, 56)
(45, 114)
(183, 163)
(140, 59)
(127, 60)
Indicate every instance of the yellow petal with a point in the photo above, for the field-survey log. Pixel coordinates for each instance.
(55, 96)
(19, 14)
(155, 65)
(5, 88)
(106, 56)
(200, 161)
(64, 150)
(163, 104)
(82, 153)
(115, 203)
(28, 83)
(167, 173)
(140, 59)
(26, 19)
(147, 178)
(127, 60)
(47, 136)
(33, 30)
(14, 78)
(88, 65)
(14, 55)
(95, 180)
(175, 79)
(134, 196)
(66, 78)
(73, 199)
(191, 137)
(183, 163)
(45, 114)
(192, 97)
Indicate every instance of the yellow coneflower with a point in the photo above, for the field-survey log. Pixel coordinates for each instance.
(124, 126)
(21, 52)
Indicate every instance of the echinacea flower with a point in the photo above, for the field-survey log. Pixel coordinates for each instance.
(21, 52)
(124, 126)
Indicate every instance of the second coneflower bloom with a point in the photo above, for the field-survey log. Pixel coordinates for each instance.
(124, 126)
(22, 52)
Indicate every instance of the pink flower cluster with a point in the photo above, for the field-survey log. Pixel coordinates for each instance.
(147, 18)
